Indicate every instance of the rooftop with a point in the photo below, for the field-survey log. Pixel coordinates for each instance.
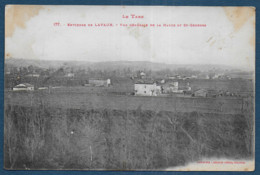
(24, 85)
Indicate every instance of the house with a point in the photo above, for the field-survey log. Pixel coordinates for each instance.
(70, 75)
(224, 77)
(227, 93)
(203, 76)
(162, 81)
(212, 93)
(99, 82)
(216, 76)
(186, 88)
(141, 75)
(186, 78)
(174, 77)
(194, 77)
(33, 75)
(24, 87)
(171, 87)
(147, 89)
(201, 93)
(208, 93)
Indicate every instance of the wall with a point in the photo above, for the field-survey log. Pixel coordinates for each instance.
(145, 89)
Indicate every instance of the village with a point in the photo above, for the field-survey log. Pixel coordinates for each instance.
(139, 84)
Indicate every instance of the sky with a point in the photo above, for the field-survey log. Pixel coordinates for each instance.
(228, 38)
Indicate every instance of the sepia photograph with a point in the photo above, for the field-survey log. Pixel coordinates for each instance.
(140, 88)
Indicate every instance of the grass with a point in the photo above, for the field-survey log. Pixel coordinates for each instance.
(101, 98)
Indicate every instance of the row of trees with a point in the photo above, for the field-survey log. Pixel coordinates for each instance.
(95, 72)
(42, 137)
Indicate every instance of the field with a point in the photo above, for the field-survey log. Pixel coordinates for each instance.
(233, 85)
(94, 128)
(103, 98)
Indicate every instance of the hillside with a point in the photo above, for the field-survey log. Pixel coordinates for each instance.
(135, 65)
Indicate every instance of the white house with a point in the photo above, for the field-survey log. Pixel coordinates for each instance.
(33, 75)
(147, 89)
(171, 87)
(24, 87)
(70, 75)
(174, 77)
(99, 82)
(142, 74)
(162, 81)
(194, 77)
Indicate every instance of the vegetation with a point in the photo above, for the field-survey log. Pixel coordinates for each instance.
(65, 138)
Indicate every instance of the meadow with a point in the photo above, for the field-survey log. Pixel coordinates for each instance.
(106, 98)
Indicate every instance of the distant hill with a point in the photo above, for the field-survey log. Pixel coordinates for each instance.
(112, 65)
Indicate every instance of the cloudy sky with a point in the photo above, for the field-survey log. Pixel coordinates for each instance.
(228, 38)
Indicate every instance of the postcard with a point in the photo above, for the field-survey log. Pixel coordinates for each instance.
(168, 88)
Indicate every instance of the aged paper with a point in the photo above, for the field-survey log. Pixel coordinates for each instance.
(129, 88)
